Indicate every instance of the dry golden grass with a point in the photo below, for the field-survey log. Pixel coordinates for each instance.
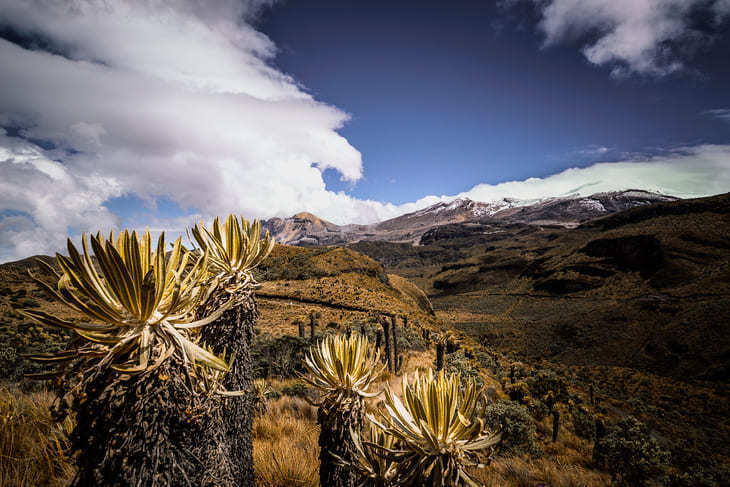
(32, 445)
(519, 472)
(285, 449)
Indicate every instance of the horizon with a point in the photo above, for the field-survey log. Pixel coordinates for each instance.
(354, 112)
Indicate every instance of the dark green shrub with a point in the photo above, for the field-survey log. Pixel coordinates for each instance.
(516, 425)
(10, 363)
(280, 357)
(537, 409)
(30, 303)
(695, 468)
(298, 389)
(545, 381)
(410, 339)
(458, 363)
(584, 424)
(518, 392)
(629, 453)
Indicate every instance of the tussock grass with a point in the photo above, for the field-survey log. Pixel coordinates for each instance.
(285, 449)
(518, 472)
(32, 445)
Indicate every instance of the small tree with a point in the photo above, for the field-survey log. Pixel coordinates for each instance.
(343, 369)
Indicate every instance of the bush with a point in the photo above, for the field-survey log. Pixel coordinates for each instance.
(458, 363)
(298, 389)
(10, 366)
(30, 303)
(584, 424)
(538, 409)
(518, 392)
(695, 468)
(280, 357)
(628, 451)
(410, 339)
(516, 425)
(545, 381)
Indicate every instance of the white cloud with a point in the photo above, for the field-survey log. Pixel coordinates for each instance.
(42, 200)
(719, 113)
(686, 173)
(647, 37)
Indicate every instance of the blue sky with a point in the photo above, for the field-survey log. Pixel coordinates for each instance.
(444, 95)
(157, 114)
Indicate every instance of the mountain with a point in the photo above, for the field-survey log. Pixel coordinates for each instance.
(303, 229)
(570, 211)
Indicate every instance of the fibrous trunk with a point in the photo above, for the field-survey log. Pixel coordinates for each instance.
(233, 333)
(386, 332)
(335, 438)
(147, 430)
(394, 330)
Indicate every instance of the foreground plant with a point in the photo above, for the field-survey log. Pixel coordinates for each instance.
(343, 369)
(234, 249)
(375, 468)
(141, 387)
(438, 429)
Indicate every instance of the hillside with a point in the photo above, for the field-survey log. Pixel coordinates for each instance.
(635, 303)
(344, 287)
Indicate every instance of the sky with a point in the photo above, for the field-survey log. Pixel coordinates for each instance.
(158, 113)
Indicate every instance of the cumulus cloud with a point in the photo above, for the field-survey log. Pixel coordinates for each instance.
(648, 37)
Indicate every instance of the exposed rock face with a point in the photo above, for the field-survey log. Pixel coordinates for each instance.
(460, 216)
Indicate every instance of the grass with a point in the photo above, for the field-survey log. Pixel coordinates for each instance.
(285, 446)
(32, 444)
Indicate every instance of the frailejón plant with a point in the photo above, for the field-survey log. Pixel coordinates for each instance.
(438, 429)
(343, 369)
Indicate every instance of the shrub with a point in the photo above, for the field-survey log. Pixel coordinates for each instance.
(410, 339)
(537, 409)
(457, 363)
(584, 424)
(30, 303)
(628, 451)
(516, 426)
(518, 392)
(545, 381)
(297, 389)
(10, 367)
(280, 357)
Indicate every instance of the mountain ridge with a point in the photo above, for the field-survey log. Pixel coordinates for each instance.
(307, 229)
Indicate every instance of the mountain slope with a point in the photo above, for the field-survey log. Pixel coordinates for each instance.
(308, 229)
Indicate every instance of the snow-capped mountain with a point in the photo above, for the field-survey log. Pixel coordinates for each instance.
(569, 211)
